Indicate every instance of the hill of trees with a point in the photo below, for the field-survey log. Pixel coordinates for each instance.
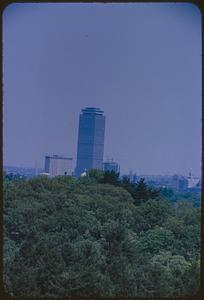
(98, 236)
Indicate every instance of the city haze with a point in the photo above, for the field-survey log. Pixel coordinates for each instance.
(139, 63)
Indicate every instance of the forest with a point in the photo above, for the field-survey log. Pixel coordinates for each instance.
(98, 236)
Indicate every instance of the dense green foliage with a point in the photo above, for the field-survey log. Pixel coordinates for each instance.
(175, 196)
(97, 236)
(139, 191)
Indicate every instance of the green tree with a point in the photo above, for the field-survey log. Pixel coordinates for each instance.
(80, 237)
(167, 275)
(110, 177)
(143, 192)
(96, 174)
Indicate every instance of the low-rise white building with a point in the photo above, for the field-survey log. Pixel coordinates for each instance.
(57, 165)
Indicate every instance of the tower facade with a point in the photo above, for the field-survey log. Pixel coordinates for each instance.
(90, 140)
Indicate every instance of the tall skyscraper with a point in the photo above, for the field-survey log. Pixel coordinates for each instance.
(57, 165)
(90, 140)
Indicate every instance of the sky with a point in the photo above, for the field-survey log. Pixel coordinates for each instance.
(139, 62)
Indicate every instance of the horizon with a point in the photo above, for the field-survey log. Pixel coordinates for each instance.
(134, 172)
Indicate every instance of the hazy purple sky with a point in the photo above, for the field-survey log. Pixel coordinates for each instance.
(140, 63)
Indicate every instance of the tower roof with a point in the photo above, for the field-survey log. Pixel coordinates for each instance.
(92, 110)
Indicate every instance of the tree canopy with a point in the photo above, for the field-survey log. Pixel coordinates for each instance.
(97, 236)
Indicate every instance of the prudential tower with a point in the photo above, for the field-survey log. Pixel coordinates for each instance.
(90, 140)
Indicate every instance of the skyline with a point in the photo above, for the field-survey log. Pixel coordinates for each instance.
(143, 72)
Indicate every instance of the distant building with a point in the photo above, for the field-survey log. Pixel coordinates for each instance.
(26, 172)
(111, 166)
(193, 182)
(196, 188)
(182, 184)
(44, 174)
(130, 176)
(83, 174)
(58, 165)
(133, 177)
(178, 182)
(90, 140)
